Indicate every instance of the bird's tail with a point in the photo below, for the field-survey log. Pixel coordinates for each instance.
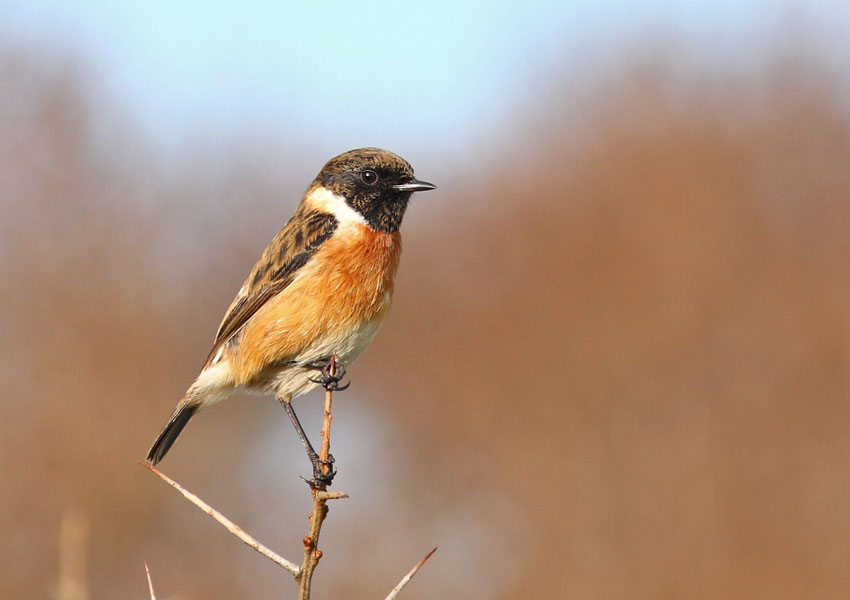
(213, 384)
(172, 429)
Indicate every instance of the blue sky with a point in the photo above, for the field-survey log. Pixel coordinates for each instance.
(356, 73)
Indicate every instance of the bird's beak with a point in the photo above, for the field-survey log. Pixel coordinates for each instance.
(415, 186)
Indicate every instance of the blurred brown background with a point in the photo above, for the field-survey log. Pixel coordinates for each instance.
(617, 364)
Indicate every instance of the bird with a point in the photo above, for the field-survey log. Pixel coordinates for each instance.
(316, 297)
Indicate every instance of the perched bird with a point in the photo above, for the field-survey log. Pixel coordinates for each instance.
(321, 289)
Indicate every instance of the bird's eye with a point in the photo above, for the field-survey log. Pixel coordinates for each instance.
(369, 177)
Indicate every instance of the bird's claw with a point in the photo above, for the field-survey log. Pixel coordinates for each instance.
(327, 380)
(320, 477)
(330, 385)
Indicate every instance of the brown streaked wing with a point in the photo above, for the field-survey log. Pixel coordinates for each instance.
(290, 250)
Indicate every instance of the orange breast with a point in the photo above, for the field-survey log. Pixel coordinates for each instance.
(345, 286)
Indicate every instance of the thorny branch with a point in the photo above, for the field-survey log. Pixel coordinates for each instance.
(303, 574)
(318, 489)
(228, 524)
(150, 582)
(406, 579)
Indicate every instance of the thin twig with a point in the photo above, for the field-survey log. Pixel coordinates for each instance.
(406, 579)
(303, 574)
(325, 449)
(150, 583)
(228, 524)
(312, 554)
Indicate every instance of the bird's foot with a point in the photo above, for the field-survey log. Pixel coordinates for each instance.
(327, 380)
(319, 476)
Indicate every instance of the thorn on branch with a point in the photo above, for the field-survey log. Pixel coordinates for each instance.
(406, 579)
(150, 583)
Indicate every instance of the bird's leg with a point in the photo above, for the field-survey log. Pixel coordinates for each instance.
(318, 476)
(332, 373)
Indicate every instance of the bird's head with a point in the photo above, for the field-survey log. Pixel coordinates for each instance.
(375, 183)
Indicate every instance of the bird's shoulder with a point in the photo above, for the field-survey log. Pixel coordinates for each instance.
(279, 264)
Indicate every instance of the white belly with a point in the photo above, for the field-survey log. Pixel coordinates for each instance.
(294, 379)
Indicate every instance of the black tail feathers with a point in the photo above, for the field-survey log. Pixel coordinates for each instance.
(166, 438)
